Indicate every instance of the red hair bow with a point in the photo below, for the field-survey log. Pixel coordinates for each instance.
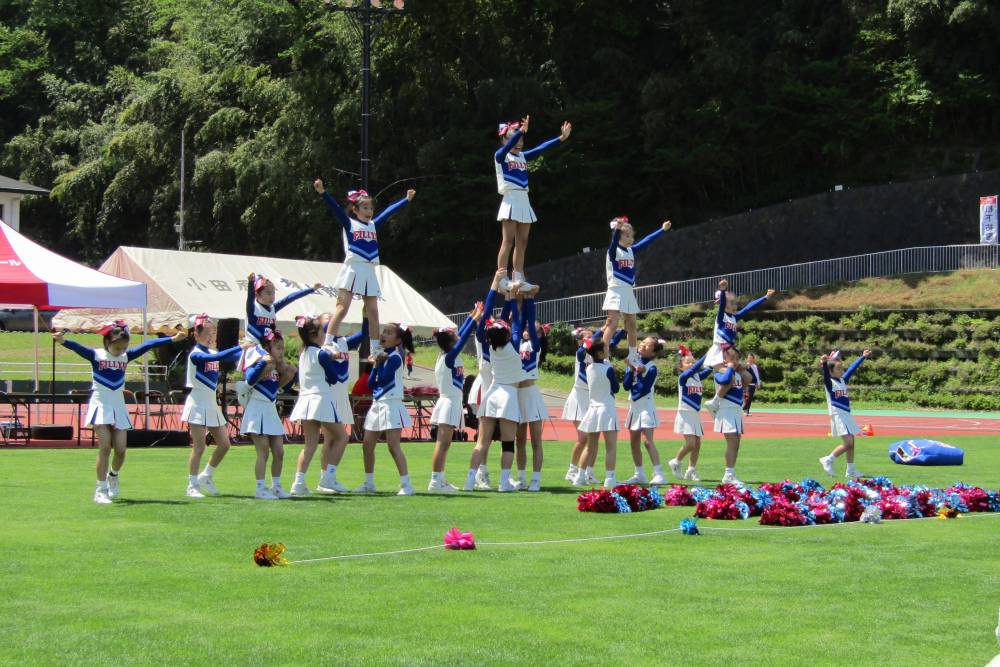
(507, 127)
(354, 195)
(108, 327)
(834, 356)
(498, 324)
(684, 351)
(302, 320)
(200, 320)
(260, 283)
(272, 334)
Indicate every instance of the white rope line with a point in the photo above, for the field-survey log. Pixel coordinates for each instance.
(377, 553)
(579, 539)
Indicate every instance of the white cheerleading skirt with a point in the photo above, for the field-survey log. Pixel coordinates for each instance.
(321, 407)
(715, 356)
(531, 404)
(688, 422)
(622, 299)
(500, 402)
(448, 411)
(260, 417)
(842, 423)
(515, 206)
(642, 414)
(729, 418)
(201, 408)
(600, 417)
(107, 408)
(576, 404)
(358, 278)
(387, 415)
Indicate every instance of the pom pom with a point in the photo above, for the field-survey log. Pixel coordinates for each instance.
(270, 555)
(872, 514)
(678, 495)
(689, 526)
(456, 540)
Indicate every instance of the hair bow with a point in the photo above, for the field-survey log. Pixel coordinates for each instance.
(272, 334)
(404, 327)
(546, 328)
(354, 195)
(302, 320)
(834, 356)
(498, 324)
(619, 220)
(260, 283)
(507, 127)
(108, 327)
(446, 330)
(200, 320)
(684, 351)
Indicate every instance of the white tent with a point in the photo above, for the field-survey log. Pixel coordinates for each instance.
(184, 283)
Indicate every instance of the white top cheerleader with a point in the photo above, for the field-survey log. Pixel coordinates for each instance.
(619, 265)
(601, 414)
(201, 407)
(449, 376)
(726, 322)
(837, 398)
(500, 400)
(511, 164)
(264, 316)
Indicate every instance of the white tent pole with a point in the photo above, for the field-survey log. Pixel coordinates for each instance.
(145, 368)
(36, 348)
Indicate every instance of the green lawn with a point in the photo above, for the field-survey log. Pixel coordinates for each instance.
(159, 579)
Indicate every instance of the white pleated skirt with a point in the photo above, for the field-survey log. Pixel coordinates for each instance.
(500, 402)
(842, 423)
(729, 418)
(107, 408)
(318, 407)
(358, 278)
(516, 206)
(621, 298)
(642, 414)
(201, 408)
(448, 411)
(600, 417)
(688, 423)
(387, 415)
(531, 404)
(576, 404)
(260, 417)
(715, 356)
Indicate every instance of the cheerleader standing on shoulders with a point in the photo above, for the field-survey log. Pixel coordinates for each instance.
(106, 411)
(729, 416)
(448, 415)
(841, 421)
(642, 420)
(531, 404)
(687, 423)
(620, 266)
(499, 404)
(387, 414)
(317, 407)
(266, 373)
(601, 416)
(262, 310)
(515, 214)
(201, 407)
(361, 254)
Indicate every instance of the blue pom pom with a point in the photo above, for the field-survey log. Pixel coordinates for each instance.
(995, 501)
(701, 494)
(743, 508)
(882, 482)
(810, 484)
(655, 497)
(689, 526)
(621, 504)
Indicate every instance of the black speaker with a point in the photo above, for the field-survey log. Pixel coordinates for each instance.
(156, 438)
(52, 432)
(227, 335)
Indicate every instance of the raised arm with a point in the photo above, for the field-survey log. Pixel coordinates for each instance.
(390, 211)
(338, 212)
(750, 306)
(720, 316)
(826, 374)
(84, 352)
(616, 338)
(516, 324)
(139, 350)
(463, 337)
(649, 238)
(232, 354)
(501, 153)
(491, 297)
(529, 317)
(251, 298)
(853, 367)
(532, 153)
(613, 246)
(294, 296)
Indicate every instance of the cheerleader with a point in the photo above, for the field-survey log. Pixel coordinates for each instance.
(319, 407)
(642, 420)
(839, 402)
(726, 334)
(687, 422)
(106, 411)
(620, 267)
(515, 214)
(531, 404)
(262, 310)
(387, 414)
(449, 374)
(201, 407)
(361, 254)
(729, 415)
(266, 372)
(601, 416)
(499, 403)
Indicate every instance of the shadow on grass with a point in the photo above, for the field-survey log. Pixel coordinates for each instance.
(136, 501)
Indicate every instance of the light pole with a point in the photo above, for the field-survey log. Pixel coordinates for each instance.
(365, 15)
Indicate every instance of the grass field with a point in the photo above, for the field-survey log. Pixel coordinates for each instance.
(160, 579)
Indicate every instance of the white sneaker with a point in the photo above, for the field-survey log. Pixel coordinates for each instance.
(610, 483)
(113, 486)
(207, 485)
(633, 358)
(441, 487)
(658, 480)
(580, 479)
(535, 485)
(827, 463)
(367, 487)
(482, 482)
(101, 498)
(526, 287)
(591, 479)
(729, 478)
(570, 475)
(279, 492)
(506, 487)
(518, 484)
(854, 473)
(300, 489)
(405, 491)
(193, 492)
(675, 468)
(265, 494)
(712, 405)
(328, 484)
(637, 479)
(692, 475)
(505, 284)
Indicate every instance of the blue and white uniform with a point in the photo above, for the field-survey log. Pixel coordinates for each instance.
(449, 375)
(642, 398)
(578, 399)
(107, 391)
(601, 414)
(726, 332)
(512, 179)
(261, 317)
(360, 248)
(338, 383)
(531, 403)
(386, 382)
(485, 377)
(260, 415)
(500, 400)
(201, 407)
(620, 267)
(839, 402)
(729, 417)
(320, 369)
(689, 393)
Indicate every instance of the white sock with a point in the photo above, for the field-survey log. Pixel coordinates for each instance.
(209, 469)
(731, 471)
(658, 470)
(471, 477)
(102, 486)
(518, 276)
(275, 481)
(589, 471)
(691, 469)
(260, 484)
(504, 476)
(521, 475)
(437, 476)
(536, 477)
(192, 480)
(573, 468)
(483, 469)
(674, 462)
(640, 471)
(369, 478)
(300, 478)
(331, 469)
(609, 474)
(404, 480)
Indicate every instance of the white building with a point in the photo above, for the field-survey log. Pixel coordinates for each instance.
(11, 193)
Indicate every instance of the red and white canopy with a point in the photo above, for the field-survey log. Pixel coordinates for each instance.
(31, 275)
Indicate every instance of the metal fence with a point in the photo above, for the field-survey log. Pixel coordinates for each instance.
(927, 259)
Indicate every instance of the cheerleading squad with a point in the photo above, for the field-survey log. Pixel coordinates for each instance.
(508, 401)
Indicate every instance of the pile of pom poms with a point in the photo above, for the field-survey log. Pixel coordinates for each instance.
(808, 502)
(622, 499)
(270, 555)
(456, 540)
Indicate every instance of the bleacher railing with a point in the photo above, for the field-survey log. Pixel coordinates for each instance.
(926, 259)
